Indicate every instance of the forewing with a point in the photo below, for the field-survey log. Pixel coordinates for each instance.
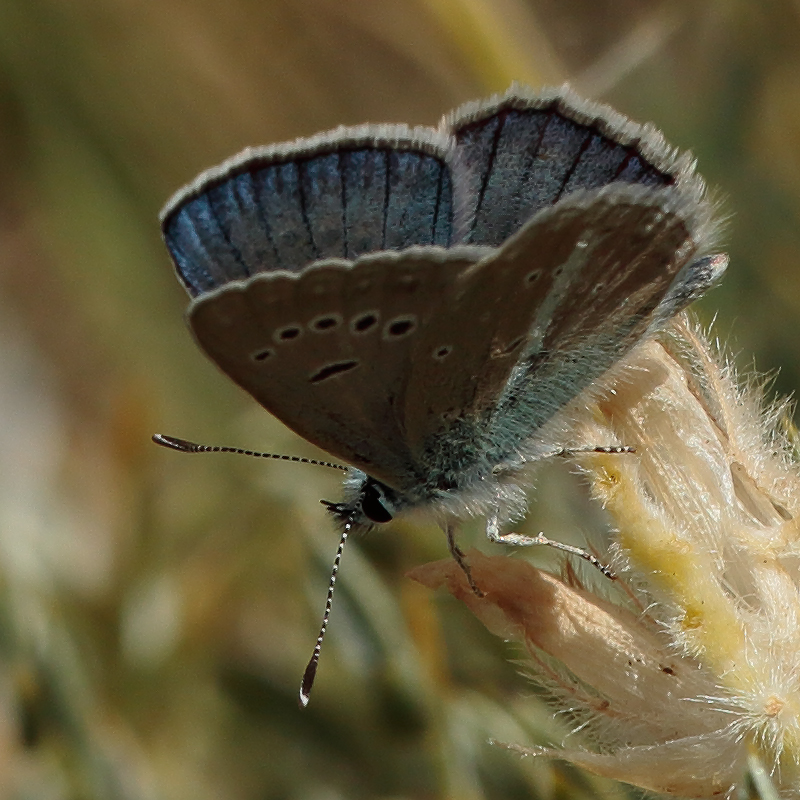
(337, 195)
(556, 306)
(522, 152)
(330, 351)
(255, 241)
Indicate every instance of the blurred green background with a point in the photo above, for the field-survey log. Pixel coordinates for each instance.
(157, 610)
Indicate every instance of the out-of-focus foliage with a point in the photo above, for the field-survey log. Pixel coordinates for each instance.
(156, 610)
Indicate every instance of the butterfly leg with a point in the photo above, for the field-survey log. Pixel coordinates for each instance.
(566, 452)
(520, 540)
(460, 559)
(562, 452)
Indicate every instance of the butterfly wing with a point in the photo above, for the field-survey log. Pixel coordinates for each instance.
(336, 195)
(537, 321)
(269, 245)
(581, 274)
(519, 153)
(329, 350)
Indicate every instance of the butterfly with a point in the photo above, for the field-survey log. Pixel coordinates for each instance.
(421, 302)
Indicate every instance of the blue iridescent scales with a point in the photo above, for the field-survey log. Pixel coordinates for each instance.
(375, 188)
(277, 211)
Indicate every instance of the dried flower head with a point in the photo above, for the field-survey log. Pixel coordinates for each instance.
(697, 665)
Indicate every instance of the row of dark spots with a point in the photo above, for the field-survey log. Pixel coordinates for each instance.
(401, 326)
(362, 323)
(395, 329)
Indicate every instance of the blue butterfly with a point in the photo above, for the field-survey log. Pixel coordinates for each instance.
(421, 302)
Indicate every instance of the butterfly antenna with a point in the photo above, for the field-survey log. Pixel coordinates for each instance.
(184, 446)
(311, 668)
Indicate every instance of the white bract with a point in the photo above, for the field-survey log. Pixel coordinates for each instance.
(677, 685)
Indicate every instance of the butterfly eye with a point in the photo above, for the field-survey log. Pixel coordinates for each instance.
(375, 505)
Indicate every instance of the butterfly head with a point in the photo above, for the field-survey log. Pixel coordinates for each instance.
(368, 501)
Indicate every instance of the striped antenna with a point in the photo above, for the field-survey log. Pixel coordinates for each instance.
(311, 669)
(185, 446)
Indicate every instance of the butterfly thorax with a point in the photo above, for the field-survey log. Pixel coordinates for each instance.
(457, 472)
